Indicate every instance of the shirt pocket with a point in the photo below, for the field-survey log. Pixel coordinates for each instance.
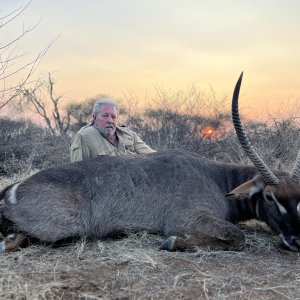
(74, 147)
(128, 144)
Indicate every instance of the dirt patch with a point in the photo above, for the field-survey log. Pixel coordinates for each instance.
(134, 268)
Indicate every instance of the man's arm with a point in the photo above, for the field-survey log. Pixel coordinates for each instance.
(140, 147)
(78, 149)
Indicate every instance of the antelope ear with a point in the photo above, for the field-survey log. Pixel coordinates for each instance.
(247, 189)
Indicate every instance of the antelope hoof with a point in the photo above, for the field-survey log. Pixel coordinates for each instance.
(173, 243)
(2, 247)
(168, 244)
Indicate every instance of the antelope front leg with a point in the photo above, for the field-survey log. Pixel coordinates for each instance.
(189, 243)
(209, 232)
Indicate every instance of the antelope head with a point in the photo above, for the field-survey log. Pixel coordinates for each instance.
(276, 198)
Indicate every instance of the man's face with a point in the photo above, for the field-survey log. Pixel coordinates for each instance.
(107, 120)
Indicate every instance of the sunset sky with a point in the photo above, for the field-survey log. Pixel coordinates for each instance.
(119, 47)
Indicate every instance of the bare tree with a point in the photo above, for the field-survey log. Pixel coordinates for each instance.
(13, 67)
(81, 112)
(43, 101)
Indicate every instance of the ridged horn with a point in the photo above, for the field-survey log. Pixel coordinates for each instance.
(268, 176)
(295, 174)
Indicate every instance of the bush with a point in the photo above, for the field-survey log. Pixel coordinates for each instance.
(25, 145)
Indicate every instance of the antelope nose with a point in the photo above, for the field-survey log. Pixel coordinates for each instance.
(297, 242)
(291, 242)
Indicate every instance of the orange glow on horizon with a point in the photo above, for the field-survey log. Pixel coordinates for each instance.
(129, 47)
(209, 132)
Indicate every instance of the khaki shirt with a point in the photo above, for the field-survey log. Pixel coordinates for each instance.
(89, 143)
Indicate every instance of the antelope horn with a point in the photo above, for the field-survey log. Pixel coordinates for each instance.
(295, 174)
(267, 174)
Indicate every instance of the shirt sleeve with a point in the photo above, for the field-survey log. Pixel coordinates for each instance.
(78, 149)
(140, 147)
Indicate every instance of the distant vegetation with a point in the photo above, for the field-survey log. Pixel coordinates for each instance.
(25, 146)
(186, 119)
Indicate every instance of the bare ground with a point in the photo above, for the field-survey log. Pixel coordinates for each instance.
(134, 268)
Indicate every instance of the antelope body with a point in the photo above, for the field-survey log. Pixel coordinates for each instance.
(189, 199)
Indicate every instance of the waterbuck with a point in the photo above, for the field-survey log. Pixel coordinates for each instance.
(191, 200)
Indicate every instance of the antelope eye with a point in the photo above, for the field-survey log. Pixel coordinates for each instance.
(269, 196)
(272, 198)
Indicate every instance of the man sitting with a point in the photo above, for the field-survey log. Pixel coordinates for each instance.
(104, 137)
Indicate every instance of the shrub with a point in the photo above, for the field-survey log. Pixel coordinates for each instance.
(25, 145)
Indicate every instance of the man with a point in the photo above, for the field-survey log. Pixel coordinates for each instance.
(104, 136)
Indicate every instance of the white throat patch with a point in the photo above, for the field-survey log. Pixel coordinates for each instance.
(12, 194)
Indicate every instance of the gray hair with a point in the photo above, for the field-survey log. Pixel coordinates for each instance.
(102, 101)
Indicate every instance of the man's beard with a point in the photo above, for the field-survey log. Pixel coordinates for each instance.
(105, 133)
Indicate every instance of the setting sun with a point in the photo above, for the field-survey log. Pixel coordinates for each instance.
(209, 132)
